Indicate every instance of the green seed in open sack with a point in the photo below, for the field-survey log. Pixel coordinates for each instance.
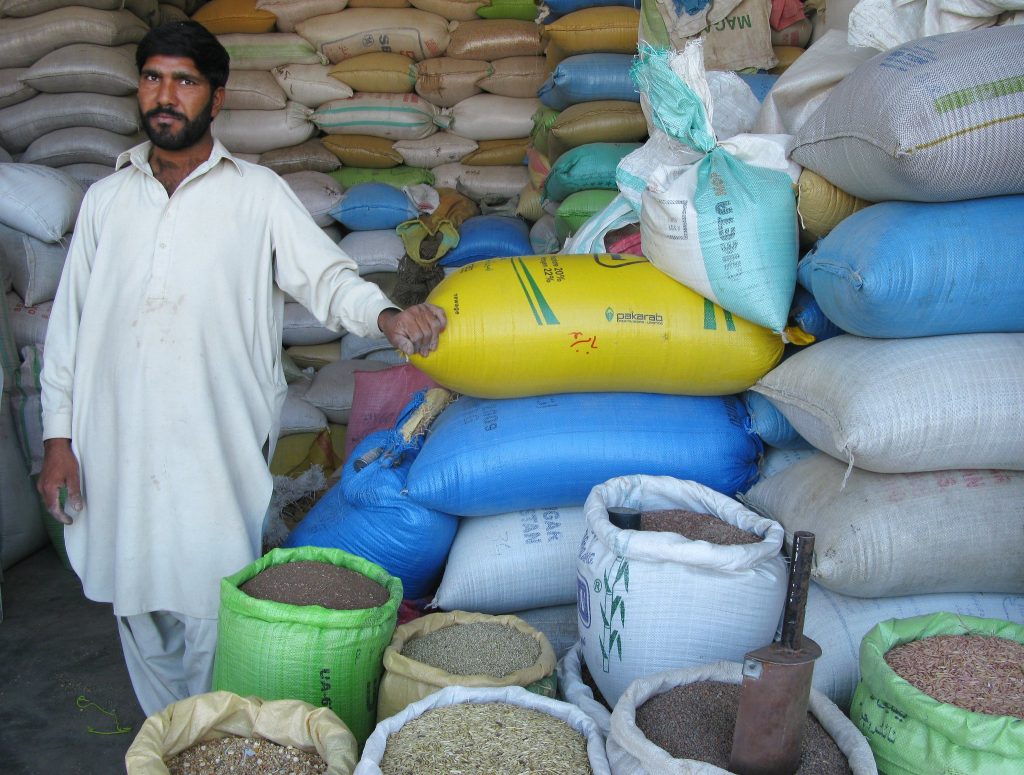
(244, 756)
(696, 526)
(475, 648)
(309, 582)
(491, 738)
(979, 673)
(697, 720)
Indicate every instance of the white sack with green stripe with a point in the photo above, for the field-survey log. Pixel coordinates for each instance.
(724, 226)
(379, 114)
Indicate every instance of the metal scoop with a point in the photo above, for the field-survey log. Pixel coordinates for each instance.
(777, 684)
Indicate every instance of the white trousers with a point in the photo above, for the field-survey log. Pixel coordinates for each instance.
(169, 656)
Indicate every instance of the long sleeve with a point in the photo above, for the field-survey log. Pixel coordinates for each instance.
(59, 357)
(319, 274)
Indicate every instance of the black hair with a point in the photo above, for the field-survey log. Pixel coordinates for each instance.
(187, 39)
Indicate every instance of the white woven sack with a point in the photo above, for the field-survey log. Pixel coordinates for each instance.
(353, 346)
(29, 120)
(373, 751)
(888, 535)
(27, 40)
(27, 408)
(308, 156)
(941, 125)
(557, 622)
(310, 85)
(259, 131)
(302, 328)
(39, 201)
(34, 266)
(86, 67)
(439, 148)
(291, 12)
(838, 623)
(334, 386)
(87, 173)
(375, 250)
(493, 117)
(885, 24)
(12, 89)
(5, 156)
(805, 83)
(22, 532)
(904, 405)
(171, 13)
(453, 10)
(297, 414)
(267, 50)
(394, 116)
(253, 90)
(318, 192)
(78, 145)
(28, 324)
(631, 753)
(572, 688)
(20, 8)
(447, 175)
(505, 563)
(492, 185)
(354, 31)
(649, 601)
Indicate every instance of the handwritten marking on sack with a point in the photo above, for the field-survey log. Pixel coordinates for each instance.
(325, 687)
(578, 338)
(907, 58)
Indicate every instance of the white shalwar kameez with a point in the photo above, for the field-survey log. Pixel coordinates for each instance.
(162, 365)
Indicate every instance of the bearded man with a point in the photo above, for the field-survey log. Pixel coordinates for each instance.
(163, 383)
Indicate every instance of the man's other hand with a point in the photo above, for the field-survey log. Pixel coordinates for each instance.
(414, 330)
(60, 471)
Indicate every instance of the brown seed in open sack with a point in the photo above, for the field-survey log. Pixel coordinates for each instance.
(696, 526)
(244, 756)
(308, 582)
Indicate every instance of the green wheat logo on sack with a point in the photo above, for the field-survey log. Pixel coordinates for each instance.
(612, 604)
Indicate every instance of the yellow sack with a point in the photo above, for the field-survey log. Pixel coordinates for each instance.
(363, 150)
(822, 205)
(405, 680)
(377, 71)
(535, 325)
(613, 29)
(215, 715)
(492, 153)
(222, 17)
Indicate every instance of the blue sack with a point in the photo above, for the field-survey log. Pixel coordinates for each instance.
(909, 269)
(759, 83)
(559, 8)
(586, 167)
(589, 77)
(489, 236)
(370, 206)
(380, 522)
(808, 317)
(490, 456)
(771, 425)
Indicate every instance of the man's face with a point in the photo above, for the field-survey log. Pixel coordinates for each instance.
(176, 102)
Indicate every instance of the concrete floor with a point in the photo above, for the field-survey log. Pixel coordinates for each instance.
(55, 647)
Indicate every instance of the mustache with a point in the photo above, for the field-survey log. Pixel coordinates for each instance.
(164, 112)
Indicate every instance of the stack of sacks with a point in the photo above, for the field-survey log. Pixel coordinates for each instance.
(551, 402)
(67, 83)
(486, 85)
(914, 413)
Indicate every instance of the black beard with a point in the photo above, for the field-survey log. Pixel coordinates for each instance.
(186, 137)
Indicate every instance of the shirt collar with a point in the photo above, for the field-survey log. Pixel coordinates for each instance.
(139, 157)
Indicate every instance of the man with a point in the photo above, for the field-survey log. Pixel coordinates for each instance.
(162, 373)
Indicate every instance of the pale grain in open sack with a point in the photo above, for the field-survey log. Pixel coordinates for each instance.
(905, 405)
(318, 192)
(253, 90)
(12, 89)
(354, 31)
(259, 131)
(308, 156)
(265, 51)
(33, 265)
(39, 201)
(394, 116)
(79, 145)
(442, 147)
(446, 81)
(889, 535)
(310, 85)
(490, 39)
(493, 117)
(27, 121)
(291, 12)
(24, 41)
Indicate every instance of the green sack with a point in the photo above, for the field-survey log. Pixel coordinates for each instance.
(540, 135)
(402, 175)
(524, 10)
(277, 651)
(910, 732)
(576, 209)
